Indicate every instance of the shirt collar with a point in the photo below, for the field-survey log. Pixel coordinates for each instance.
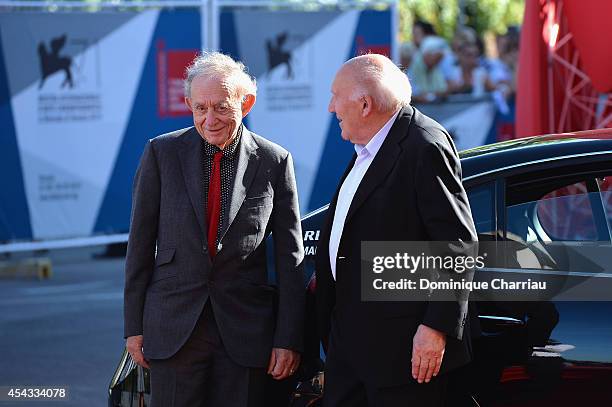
(229, 150)
(376, 142)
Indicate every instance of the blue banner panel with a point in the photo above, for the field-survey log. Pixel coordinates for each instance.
(295, 56)
(158, 108)
(14, 216)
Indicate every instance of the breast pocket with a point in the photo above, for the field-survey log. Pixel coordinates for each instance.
(258, 201)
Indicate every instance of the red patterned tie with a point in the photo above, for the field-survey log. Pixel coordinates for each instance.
(213, 206)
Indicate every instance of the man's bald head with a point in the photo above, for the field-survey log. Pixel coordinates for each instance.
(366, 93)
(377, 76)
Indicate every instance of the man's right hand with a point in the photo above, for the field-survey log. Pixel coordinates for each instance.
(134, 348)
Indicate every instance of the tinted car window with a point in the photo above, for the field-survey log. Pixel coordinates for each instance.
(566, 213)
(482, 203)
(549, 221)
(561, 214)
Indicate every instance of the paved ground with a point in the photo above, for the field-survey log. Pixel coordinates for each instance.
(66, 330)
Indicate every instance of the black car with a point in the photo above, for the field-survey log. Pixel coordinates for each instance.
(530, 192)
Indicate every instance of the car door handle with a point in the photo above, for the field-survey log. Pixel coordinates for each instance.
(496, 324)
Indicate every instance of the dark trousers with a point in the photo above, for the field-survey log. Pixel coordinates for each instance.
(201, 374)
(345, 388)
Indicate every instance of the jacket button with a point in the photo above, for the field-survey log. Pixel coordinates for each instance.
(204, 249)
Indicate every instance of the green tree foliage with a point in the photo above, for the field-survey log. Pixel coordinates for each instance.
(482, 15)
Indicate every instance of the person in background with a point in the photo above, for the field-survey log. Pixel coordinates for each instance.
(502, 70)
(420, 30)
(426, 76)
(469, 76)
(463, 36)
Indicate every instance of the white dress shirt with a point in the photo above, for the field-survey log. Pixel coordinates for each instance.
(365, 156)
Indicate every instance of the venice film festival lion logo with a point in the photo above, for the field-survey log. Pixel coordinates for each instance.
(278, 56)
(51, 61)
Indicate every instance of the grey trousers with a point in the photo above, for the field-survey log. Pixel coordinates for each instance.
(201, 374)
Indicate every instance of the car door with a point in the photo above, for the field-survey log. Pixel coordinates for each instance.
(547, 353)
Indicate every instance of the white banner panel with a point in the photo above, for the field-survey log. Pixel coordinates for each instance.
(292, 109)
(70, 122)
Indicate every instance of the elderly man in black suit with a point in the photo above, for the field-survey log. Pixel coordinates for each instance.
(199, 309)
(403, 184)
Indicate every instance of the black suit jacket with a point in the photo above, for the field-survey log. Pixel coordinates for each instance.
(169, 273)
(412, 191)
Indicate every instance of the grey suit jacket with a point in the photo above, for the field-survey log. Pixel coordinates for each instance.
(169, 273)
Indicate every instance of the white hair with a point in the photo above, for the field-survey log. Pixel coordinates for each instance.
(221, 66)
(433, 45)
(378, 77)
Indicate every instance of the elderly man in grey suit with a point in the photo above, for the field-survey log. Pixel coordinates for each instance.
(199, 310)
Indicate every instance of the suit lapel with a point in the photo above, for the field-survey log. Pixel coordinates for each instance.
(191, 165)
(383, 162)
(246, 168)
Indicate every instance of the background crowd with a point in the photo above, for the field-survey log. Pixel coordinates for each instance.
(468, 65)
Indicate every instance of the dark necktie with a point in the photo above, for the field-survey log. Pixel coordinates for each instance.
(213, 206)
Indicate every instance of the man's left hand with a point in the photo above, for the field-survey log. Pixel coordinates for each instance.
(427, 353)
(283, 363)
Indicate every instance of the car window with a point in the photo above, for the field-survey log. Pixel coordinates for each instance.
(566, 214)
(482, 204)
(549, 221)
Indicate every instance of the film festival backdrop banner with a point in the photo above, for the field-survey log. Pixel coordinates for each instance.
(81, 93)
(295, 56)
